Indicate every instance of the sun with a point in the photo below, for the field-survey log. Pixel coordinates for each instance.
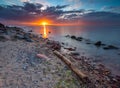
(44, 23)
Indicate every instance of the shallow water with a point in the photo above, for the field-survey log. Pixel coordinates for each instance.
(108, 35)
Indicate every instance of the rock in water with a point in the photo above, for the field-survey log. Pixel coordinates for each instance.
(99, 43)
(79, 38)
(110, 47)
(73, 37)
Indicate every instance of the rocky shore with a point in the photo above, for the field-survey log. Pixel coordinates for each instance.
(20, 66)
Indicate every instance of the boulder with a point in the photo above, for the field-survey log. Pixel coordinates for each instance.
(19, 36)
(4, 37)
(73, 37)
(27, 37)
(99, 43)
(79, 38)
(2, 26)
(67, 36)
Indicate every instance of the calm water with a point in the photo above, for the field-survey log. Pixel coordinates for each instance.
(108, 35)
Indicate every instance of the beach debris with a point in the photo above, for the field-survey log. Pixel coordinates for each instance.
(110, 47)
(71, 66)
(42, 56)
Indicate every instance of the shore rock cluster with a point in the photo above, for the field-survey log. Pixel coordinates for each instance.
(21, 68)
(97, 43)
(14, 33)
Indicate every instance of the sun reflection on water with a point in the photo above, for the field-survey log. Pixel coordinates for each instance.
(45, 31)
(45, 34)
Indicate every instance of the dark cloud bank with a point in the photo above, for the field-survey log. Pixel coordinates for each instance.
(30, 12)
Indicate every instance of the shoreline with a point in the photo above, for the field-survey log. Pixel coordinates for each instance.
(12, 38)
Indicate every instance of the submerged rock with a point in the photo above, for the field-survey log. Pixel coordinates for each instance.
(110, 47)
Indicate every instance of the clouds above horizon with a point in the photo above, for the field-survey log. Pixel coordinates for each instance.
(29, 12)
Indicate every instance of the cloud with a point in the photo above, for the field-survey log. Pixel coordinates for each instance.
(112, 8)
(29, 12)
(74, 4)
(24, 0)
(30, 7)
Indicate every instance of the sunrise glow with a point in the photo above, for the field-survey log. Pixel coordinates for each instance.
(44, 23)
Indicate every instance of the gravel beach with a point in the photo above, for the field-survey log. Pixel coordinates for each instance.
(20, 67)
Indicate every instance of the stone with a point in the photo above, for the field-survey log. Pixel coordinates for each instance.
(99, 43)
(2, 38)
(73, 37)
(79, 38)
(110, 47)
(19, 36)
(67, 36)
(75, 53)
(2, 26)
(27, 37)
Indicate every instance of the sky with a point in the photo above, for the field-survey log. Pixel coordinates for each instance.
(105, 12)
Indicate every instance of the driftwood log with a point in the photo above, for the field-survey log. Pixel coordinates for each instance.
(80, 74)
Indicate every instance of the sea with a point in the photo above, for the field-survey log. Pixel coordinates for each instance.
(109, 35)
